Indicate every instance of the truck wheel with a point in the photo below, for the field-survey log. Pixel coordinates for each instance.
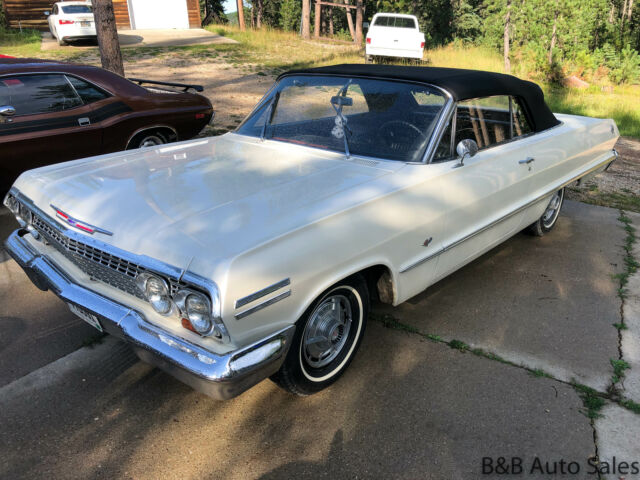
(368, 59)
(326, 338)
(550, 216)
(61, 42)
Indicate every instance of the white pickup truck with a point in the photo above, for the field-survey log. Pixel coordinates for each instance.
(394, 35)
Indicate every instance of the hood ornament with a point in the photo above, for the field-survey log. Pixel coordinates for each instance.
(80, 225)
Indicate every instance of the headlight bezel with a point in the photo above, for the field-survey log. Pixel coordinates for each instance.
(182, 299)
(191, 284)
(142, 281)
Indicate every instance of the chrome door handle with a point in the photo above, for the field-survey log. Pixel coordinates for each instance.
(526, 161)
(84, 121)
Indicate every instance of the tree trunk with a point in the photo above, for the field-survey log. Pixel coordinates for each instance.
(507, 26)
(241, 15)
(107, 33)
(259, 13)
(553, 34)
(317, 20)
(350, 21)
(331, 22)
(306, 19)
(359, 22)
(630, 11)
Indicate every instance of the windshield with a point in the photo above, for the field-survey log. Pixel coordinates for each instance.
(77, 9)
(357, 116)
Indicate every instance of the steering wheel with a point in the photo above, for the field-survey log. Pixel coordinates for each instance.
(399, 134)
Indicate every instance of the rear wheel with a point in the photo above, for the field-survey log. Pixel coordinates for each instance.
(61, 42)
(368, 59)
(326, 339)
(147, 139)
(550, 216)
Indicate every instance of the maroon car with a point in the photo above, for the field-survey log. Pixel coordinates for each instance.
(51, 112)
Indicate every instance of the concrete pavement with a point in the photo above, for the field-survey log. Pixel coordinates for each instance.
(36, 328)
(547, 302)
(172, 37)
(406, 408)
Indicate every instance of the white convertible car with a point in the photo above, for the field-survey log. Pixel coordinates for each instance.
(256, 254)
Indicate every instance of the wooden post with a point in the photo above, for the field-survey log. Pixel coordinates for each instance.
(306, 19)
(316, 27)
(350, 21)
(331, 22)
(105, 21)
(358, 22)
(241, 15)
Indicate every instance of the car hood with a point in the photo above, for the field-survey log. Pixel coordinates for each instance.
(211, 198)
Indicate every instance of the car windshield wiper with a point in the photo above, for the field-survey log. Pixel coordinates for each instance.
(337, 102)
(269, 114)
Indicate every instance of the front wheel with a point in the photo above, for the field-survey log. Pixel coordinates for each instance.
(550, 216)
(326, 339)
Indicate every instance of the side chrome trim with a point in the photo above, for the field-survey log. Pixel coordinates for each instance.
(261, 293)
(609, 160)
(262, 305)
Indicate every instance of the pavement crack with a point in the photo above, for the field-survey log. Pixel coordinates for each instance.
(593, 400)
(631, 265)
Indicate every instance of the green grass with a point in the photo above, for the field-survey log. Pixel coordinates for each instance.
(591, 399)
(622, 104)
(20, 44)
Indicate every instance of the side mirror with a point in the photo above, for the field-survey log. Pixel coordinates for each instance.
(466, 148)
(365, 24)
(5, 112)
(47, 13)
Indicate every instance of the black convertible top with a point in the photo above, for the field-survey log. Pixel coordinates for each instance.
(461, 84)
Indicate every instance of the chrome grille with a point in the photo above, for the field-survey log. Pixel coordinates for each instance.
(96, 263)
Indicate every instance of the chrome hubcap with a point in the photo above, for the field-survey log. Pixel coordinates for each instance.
(151, 141)
(551, 213)
(327, 331)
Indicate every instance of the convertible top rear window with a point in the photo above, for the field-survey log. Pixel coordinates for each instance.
(377, 118)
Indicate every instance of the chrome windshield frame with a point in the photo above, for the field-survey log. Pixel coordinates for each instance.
(440, 125)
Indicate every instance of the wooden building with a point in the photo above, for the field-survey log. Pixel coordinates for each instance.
(130, 14)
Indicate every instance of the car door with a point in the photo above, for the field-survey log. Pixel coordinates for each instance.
(483, 195)
(51, 123)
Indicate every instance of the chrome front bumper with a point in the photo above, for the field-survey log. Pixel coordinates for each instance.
(219, 376)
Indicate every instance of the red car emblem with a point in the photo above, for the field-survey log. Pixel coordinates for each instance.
(80, 225)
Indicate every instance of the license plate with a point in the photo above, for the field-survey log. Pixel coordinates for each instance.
(85, 24)
(90, 318)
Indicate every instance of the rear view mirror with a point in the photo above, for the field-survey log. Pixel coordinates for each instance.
(47, 13)
(5, 112)
(340, 101)
(365, 24)
(466, 148)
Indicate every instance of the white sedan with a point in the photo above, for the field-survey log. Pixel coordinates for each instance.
(70, 21)
(256, 254)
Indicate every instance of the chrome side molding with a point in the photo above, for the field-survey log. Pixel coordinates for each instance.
(608, 161)
(261, 293)
(262, 305)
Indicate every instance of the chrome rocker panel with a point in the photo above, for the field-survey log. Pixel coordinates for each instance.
(218, 376)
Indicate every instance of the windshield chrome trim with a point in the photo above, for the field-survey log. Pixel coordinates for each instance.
(436, 131)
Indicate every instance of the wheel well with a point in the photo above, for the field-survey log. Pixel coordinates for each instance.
(167, 132)
(380, 283)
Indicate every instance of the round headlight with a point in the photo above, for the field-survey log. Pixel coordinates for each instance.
(198, 312)
(157, 294)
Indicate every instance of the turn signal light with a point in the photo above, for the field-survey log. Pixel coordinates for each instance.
(199, 116)
(368, 41)
(66, 22)
(421, 44)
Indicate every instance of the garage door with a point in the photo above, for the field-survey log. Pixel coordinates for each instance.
(149, 14)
